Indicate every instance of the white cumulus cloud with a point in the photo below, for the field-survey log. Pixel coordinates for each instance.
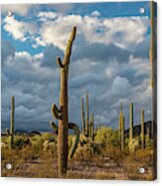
(124, 32)
(19, 29)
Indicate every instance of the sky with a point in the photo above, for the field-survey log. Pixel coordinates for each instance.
(110, 60)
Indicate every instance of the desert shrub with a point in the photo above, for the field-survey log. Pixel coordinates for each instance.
(50, 147)
(134, 144)
(38, 140)
(114, 153)
(84, 152)
(4, 139)
(49, 136)
(106, 136)
(84, 140)
(37, 145)
(28, 153)
(144, 156)
(148, 142)
(19, 141)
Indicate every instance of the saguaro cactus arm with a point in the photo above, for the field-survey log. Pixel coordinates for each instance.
(8, 132)
(59, 62)
(56, 112)
(54, 126)
(74, 127)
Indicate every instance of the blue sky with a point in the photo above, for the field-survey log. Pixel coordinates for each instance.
(110, 59)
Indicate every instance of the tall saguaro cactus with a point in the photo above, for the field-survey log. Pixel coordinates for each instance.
(98, 127)
(147, 135)
(12, 123)
(131, 122)
(142, 129)
(121, 128)
(92, 126)
(83, 116)
(12, 120)
(61, 113)
(87, 115)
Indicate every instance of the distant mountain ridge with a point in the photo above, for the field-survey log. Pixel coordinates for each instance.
(137, 129)
(43, 126)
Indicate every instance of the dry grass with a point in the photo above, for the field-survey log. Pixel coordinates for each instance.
(93, 160)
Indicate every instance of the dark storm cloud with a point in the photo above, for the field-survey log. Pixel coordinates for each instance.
(35, 84)
(50, 54)
(88, 79)
(142, 49)
(85, 50)
(6, 50)
(97, 51)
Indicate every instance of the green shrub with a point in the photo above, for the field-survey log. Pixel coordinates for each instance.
(106, 136)
(19, 141)
(38, 144)
(49, 136)
(134, 144)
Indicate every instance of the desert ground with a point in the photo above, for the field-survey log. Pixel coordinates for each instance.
(35, 156)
